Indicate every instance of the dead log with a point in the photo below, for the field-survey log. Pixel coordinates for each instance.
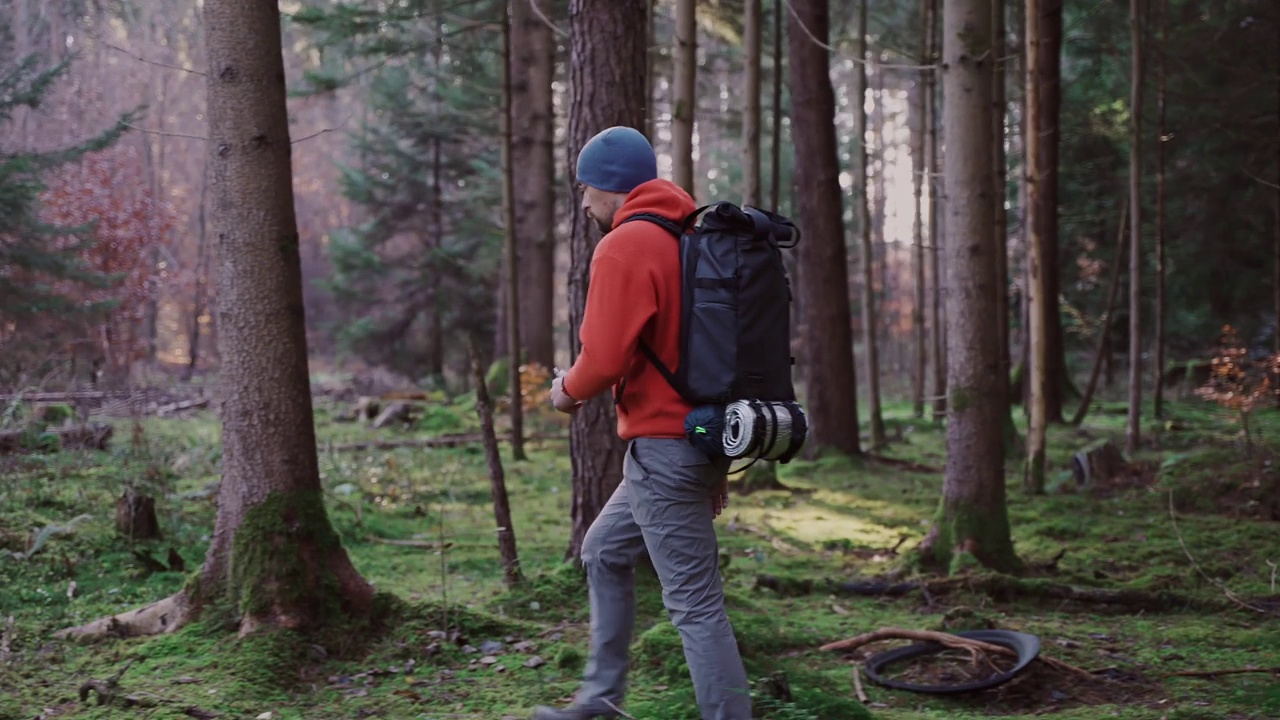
(75, 437)
(1100, 462)
(998, 587)
(440, 441)
(180, 406)
(396, 412)
(136, 516)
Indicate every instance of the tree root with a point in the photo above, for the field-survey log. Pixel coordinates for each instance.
(948, 640)
(997, 586)
(162, 616)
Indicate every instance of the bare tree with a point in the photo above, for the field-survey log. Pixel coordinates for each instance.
(827, 336)
(870, 325)
(512, 245)
(936, 240)
(1134, 421)
(1158, 384)
(1037, 259)
(918, 120)
(751, 103)
(974, 517)
(606, 88)
(685, 94)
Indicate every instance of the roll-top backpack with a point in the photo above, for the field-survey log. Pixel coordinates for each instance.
(735, 331)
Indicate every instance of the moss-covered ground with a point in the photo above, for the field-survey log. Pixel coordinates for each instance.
(460, 645)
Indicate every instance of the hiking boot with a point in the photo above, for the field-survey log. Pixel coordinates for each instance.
(569, 713)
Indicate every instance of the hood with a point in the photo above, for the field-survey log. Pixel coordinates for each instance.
(658, 197)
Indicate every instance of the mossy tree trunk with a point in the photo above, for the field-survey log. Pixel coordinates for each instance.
(973, 518)
(606, 88)
(275, 560)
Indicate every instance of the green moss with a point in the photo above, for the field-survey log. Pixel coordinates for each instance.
(960, 398)
(280, 556)
(980, 532)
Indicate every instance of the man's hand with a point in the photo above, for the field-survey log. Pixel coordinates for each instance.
(560, 399)
(720, 497)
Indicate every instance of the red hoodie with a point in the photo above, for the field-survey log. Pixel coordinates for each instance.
(633, 293)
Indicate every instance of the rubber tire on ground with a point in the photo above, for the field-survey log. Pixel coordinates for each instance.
(1026, 646)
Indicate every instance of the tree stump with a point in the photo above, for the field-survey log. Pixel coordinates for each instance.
(1099, 462)
(136, 516)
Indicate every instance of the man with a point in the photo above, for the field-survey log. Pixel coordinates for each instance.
(670, 492)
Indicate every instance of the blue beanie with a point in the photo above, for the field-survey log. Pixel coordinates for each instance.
(617, 160)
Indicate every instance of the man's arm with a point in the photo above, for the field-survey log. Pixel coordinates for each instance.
(621, 299)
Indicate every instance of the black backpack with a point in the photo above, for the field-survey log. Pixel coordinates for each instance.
(735, 325)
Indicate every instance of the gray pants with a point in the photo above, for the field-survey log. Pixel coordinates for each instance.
(663, 505)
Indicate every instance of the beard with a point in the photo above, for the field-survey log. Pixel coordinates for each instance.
(603, 226)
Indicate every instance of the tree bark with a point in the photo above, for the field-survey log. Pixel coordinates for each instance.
(938, 320)
(973, 517)
(1046, 133)
(684, 94)
(870, 325)
(1158, 384)
(514, 271)
(290, 566)
(606, 88)
(1037, 256)
(827, 335)
(533, 54)
(1133, 426)
(751, 105)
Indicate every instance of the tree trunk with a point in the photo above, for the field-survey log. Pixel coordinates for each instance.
(1158, 384)
(751, 104)
(870, 325)
(290, 569)
(515, 354)
(1046, 133)
(290, 566)
(1037, 256)
(827, 335)
(650, 75)
(1133, 424)
(999, 169)
(775, 168)
(684, 94)
(606, 88)
(974, 517)
(935, 216)
(201, 278)
(533, 54)
(918, 120)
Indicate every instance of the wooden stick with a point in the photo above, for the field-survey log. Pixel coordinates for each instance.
(1219, 673)
(857, 686)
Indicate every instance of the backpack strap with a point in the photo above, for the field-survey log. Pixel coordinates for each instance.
(678, 232)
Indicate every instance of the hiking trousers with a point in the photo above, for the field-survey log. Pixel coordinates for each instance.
(662, 506)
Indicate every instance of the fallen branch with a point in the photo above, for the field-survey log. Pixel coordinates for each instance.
(1218, 583)
(162, 616)
(857, 685)
(947, 640)
(994, 585)
(432, 442)
(106, 689)
(1220, 673)
(419, 544)
(76, 437)
(179, 406)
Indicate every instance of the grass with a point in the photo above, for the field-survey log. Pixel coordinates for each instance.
(461, 646)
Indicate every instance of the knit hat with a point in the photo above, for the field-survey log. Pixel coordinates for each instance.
(617, 160)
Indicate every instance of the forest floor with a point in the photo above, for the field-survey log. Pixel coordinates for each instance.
(463, 646)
